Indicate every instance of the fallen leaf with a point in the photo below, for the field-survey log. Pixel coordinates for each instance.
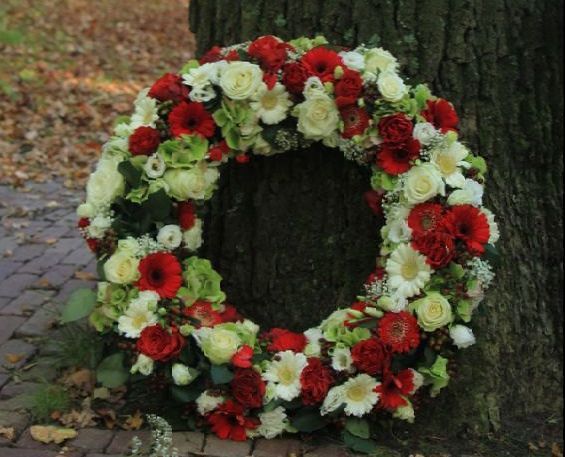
(108, 415)
(85, 276)
(8, 432)
(51, 241)
(14, 358)
(556, 450)
(83, 379)
(133, 422)
(51, 434)
(101, 393)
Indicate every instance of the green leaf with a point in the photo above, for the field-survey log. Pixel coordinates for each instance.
(221, 374)
(80, 305)
(158, 205)
(185, 395)
(111, 372)
(366, 446)
(358, 427)
(131, 174)
(492, 255)
(308, 421)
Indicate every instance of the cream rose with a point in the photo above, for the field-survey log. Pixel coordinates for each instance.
(378, 60)
(240, 80)
(391, 86)
(422, 183)
(196, 183)
(218, 344)
(105, 184)
(433, 311)
(121, 268)
(192, 237)
(318, 117)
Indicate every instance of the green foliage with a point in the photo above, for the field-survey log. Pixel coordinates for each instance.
(130, 172)
(185, 394)
(111, 372)
(221, 374)
(75, 345)
(363, 445)
(47, 399)
(358, 427)
(308, 421)
(80, 305)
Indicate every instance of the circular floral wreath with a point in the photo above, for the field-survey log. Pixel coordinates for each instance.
(393, 345)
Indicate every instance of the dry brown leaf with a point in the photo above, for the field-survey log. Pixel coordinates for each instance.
(108, 415)
(85, 276)
(78, 419)
(50, 434)
(51, 241)
(133, 422)
(14, 358)
(556, 450)
(83, 379)
(8, 432)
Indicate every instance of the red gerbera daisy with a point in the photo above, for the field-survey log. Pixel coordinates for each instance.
(425, 217)
(203, 312)
(441, 114)
(399, 331)
(394, 389)
(160, 272)
(321, 62)
(191, 117)
(396, 160)
(230, 422)
(355, 119)
(469, 224)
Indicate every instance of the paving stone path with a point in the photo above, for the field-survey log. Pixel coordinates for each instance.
(40, 255)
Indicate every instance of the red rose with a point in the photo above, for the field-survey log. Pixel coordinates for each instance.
(169, 87)
(438, 247)
(371, 356)
(230, 422)
(355, 120)
(92, 244)
(294, 77)
(269, 51)
(144, 141)
(248, 388)
(396, 129)
(315, 381)
(348, 88)
(243, 358)
(202, 311)
(285, 340)
(155, 342)
(374, 200)
(321, 62)
(190, 118)
(186, 215)
(441, 114)
(397, 159)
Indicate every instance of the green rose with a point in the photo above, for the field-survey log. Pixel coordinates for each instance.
(334, 330)
(202, 282)
(219, 344)
(197, 183)
(433, 311)
(246, 330)
(185, 152)
(436, 375)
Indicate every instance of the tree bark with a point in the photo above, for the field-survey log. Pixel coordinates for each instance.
(293, 239)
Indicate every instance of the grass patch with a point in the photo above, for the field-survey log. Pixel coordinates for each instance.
(75, 345)
(48, 399)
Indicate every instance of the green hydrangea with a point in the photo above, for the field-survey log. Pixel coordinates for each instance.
(202, 282)
(185, 152)
(436, 375)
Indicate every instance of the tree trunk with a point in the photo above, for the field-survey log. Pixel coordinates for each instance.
(293, 239)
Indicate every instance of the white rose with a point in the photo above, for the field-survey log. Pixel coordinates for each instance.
(391, 86)
(378, 60)
(192, 237)
(143, 365)
(425, 132)
(86, 210)
(422, 183)
(196, 183)
(318, 117)
(105, 184)
(462, 336)
(182, 375)
(470, 194)
(353, 60)
(155, 166)
(240, 80)
(170, 236)
(121, 268)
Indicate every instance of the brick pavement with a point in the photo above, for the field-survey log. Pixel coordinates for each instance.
(40, 251)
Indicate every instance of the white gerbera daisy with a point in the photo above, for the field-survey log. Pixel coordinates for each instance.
(285, 373)
(145, 113)
(407, 271)
(342, 360)
(358, 394)
(271, 105)
(140, 314)
(450, 160)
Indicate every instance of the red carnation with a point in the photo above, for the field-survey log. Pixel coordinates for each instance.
(442, 115)
(348, 88)
(284, 340)
(189, 118)
(355, 119)
(396, 129)
(438, 247)
(321, 62)
(469, 224)
(374, 200)
(92, 244)
(204, 313)
(218, 151)
(229, 422)
(155, 342)
(269, 51)
(248, 388)
(243, 358)
(83, 222)
(394, 388)
(371, 356)
(214, 54)
(144, 141)
(315, 380)
(294, 77)
(230, 314)
(399, 331)
(160, 272)
(169, 87)
(397, 159)
(425, 217)
(186, 215)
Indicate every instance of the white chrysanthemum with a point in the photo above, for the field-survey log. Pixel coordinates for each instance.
(105, 184)
(273, 423)
(143, 365)
(86, 210)
(470, 194)
(145, 113)
(407, 271)
(450, 160)
(155, 166)
(462, 336)
(493, 226)
(207, 403)
(139, 314)
(358, 394)
(313, 348)
(199, 77)
(192, 237)
(353, 60)
(425, 132)
(170, 236)
(394, 302)
(284, 372)
(342, 360)
(271, 105)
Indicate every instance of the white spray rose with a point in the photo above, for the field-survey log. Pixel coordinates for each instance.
(155, 166)
(462, 336)
(379, 60)
(143, 365)
(353, 60)
(182, 375)
(170, 236)
(425, 132)
(470, 194)
(86, 210)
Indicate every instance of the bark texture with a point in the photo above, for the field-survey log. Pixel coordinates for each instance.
(291, 235)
